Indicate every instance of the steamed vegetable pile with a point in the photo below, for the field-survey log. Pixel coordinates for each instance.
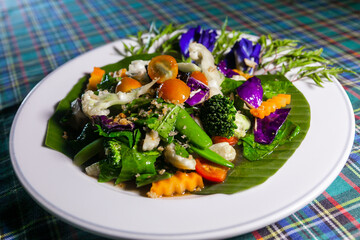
(195, 119)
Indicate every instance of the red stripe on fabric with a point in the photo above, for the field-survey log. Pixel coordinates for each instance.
(351, 183)
(257, 235)
(351, 92)
(342, 210)
(32, 37)
(94, 23)
(75, 24)
(16, 46)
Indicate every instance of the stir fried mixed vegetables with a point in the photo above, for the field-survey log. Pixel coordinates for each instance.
(179, 121)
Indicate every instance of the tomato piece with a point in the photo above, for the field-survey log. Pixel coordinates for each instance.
(162, 68)
(174, 90)
(231, 140)
(127, 84)
(199, 76)
(211, 171)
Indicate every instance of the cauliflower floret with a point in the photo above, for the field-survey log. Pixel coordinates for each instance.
(93, 170)
(178, 161)
(243, 124)
(93, 104)
(137, 70)
(203, 56)
(225, 150)
(151, 141)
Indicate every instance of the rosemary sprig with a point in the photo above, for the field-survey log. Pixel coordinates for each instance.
(286, 56)
(144, 40)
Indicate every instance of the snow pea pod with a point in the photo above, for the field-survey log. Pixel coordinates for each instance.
(186, 125)
(89, 151)
(212, 156)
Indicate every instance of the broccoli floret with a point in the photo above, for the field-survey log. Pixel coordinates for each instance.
(218, 116)
(111, 165)
(112, 151)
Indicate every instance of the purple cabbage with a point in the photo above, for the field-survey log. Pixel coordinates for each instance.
(243, 49)
(199, 92)
(205, 37)
(109, 125)
(251, 92)
(266, 129)
(228, 72)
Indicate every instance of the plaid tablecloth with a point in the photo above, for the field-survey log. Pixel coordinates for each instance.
(37, 36)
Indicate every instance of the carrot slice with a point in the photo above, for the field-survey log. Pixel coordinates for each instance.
(270, 105)
(95, 78)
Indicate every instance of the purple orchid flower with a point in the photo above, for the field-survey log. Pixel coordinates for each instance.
(244, 56)
(204, 37)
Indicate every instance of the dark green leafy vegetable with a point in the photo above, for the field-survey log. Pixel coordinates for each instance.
(230, 85)
(274, 86)
(108, 83)
(254, 151)
(166, 124)
(134, 162)
(86, 136)
(127, 137)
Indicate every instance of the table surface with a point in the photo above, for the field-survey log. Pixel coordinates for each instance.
(37, 36)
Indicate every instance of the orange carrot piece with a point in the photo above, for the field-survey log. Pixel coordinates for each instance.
(270, 105)
(241, 73)
(177, 184)
(95, 78)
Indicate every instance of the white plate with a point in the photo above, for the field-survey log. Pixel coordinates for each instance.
(62, 189)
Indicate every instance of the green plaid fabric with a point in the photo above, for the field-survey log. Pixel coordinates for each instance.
(37, 36)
